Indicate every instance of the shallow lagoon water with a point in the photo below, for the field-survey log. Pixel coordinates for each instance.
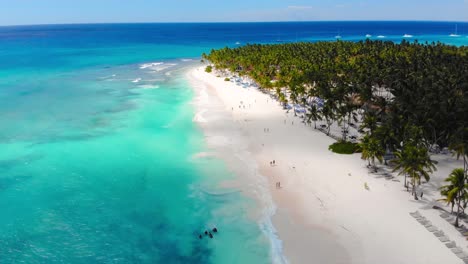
(99, 158)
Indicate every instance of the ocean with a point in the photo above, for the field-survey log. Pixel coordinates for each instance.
(100, 160)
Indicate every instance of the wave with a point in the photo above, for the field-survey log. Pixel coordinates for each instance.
(148, 86)
(185, 60)
(152, 64)
(199, 117)
(201, 155)
(163, 67)
(137, 80)
(380, 36)
(407, 36)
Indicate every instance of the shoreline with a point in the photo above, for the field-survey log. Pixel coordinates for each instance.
(323, 212)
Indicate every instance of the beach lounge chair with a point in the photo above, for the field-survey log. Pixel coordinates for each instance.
(422, 220)
(451, 244)
(445, 215)
(414, 214)
(444, 239)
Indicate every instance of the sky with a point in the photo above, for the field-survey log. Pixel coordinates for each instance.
(21, 12)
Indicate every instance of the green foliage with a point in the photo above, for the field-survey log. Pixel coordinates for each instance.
(366, 186)
(414, 161)
(409, 93)
(227, 79)
(343, 147)
(209, 69)
(372, 150)
(456, 191)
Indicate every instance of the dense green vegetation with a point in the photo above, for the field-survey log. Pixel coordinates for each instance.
(344, 147)
(411, 97)
(456, 191)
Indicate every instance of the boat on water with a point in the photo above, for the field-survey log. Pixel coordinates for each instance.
(380, 36)
(407, 36)
(368, 36)
(456, 32)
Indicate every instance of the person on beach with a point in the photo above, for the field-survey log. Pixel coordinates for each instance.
(273, 162)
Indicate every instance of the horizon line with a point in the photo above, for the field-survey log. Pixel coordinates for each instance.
(225, 22)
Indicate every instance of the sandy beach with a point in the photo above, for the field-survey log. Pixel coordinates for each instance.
(322, 212)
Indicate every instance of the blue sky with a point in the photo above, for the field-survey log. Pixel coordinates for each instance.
(15, 12)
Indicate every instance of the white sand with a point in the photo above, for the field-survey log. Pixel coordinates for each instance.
(324, 214)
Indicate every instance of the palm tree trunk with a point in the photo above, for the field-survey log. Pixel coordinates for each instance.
(458, 213)
(414, 190)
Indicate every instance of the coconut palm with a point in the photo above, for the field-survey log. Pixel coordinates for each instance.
(372, 150)
(414, 161)
(456, 191)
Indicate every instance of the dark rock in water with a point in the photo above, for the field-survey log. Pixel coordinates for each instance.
(211, 236)
(215, 230)
(200, 236)
(206, 233)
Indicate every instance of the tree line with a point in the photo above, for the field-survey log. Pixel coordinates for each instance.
(411, 97)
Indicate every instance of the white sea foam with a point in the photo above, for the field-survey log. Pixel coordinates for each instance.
(380, 36)
(185, 60)
(148, 86)
(148, 65)
(201, 155)
(161, 67)
(199, 116)
(137, 80)
(407, 36)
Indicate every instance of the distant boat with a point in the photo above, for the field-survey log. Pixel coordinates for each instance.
(368, 36)
(338, 36)
(380, 36)
(278, 39)
(237, 43)
(456, 32)
(407, 36)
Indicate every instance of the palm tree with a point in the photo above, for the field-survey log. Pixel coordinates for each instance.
(456, 191)
(414, 161)
(371, 150)
(313, 114)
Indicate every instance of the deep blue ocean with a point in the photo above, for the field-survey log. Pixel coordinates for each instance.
(99, 156)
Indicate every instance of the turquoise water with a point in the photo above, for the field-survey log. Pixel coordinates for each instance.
(96, 168)
(98, 150)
